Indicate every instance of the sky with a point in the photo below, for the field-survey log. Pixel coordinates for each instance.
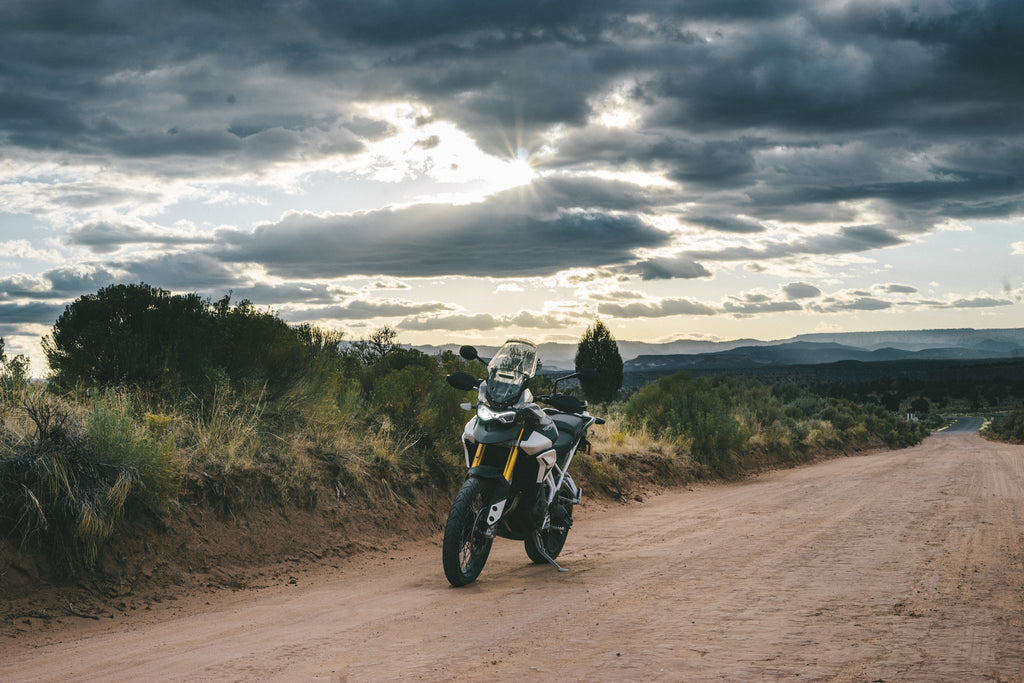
(468, 171)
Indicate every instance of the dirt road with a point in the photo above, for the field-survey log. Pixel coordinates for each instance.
(901, 566)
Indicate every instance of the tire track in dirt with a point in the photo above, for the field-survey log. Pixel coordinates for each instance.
(904, 565)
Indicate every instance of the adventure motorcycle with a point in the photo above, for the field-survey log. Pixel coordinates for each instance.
(518, 454)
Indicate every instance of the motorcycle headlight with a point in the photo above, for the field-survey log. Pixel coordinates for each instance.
(485, 413)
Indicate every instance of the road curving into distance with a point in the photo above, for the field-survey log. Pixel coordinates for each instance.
(896, 566)
(964, 424)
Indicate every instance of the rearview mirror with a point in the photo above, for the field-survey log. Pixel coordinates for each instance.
(588, 374)
(469, 353)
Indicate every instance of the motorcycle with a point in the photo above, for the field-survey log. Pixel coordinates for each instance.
(518, 456)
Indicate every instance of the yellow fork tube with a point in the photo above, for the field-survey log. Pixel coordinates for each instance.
(511, 464)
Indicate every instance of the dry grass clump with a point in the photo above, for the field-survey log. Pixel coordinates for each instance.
(621, 459)
(59, 489)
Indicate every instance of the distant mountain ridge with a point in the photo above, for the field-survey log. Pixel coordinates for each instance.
(804, 349)
(919, 340)
(803, 353)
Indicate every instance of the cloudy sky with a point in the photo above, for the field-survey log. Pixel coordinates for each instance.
(467, 171)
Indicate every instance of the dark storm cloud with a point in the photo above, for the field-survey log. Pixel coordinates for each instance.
(725, 223)
(106, 237)
(667, 269)
(369, 129)
(800, 290)
(847, 240)
(753, 303)
(66, 282)
(74, 280)
(313, 294)
(787, 110)
(894, 288)
(754, 307)
(720, 163)
(18, 314)
(979, 302)
(601, 194)
(38, 122)
(11, 330)
(190, 272)
(509, 235)
(864, 303)
(854, 300)
(959, 184)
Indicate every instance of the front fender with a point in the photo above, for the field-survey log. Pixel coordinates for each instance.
(485, 472)
(499, 495)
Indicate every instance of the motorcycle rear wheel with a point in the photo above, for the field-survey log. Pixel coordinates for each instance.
(553, 540)
(465, 549)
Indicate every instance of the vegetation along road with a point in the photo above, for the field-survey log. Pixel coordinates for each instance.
(897, 566)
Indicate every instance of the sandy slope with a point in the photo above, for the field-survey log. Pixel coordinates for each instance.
(891, 567)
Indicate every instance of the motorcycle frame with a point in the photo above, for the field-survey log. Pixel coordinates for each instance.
(563, 471)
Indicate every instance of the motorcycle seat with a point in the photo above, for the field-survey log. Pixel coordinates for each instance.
(570, 429)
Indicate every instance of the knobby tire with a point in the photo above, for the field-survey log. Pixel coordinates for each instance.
(553, 541)
(464, 550)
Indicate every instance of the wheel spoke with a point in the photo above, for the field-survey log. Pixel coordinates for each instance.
(465, 548)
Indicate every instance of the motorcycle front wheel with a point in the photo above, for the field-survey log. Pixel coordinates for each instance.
(465, 547)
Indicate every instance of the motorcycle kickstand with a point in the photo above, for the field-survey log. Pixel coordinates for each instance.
(544, 552)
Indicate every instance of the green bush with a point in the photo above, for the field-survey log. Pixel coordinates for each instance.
(699, 410)
(115, 437)
(180, 345)
(1009, 427)
(727, 420)
(13, 374)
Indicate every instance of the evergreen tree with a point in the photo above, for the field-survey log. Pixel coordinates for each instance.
(597, 350)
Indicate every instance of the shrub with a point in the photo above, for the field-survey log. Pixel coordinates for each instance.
(13, 374)
(55, 491)
(729, 419)
(698, 409)
(116, 438)
(181, 345)
(1009, 427)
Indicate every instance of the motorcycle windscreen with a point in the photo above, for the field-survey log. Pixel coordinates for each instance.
(509, 370)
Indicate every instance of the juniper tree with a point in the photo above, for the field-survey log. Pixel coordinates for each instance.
(597, 350)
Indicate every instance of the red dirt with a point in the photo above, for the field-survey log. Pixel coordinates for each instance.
(897, 566)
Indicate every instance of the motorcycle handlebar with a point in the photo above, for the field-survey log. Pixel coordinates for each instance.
(463, 381)
(563, 402)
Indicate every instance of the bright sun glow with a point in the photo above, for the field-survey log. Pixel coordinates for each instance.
(438, 151)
